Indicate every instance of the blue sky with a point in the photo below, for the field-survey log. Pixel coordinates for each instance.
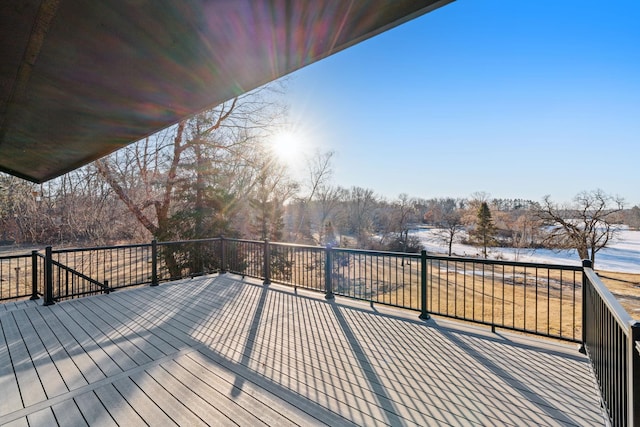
(514, 98)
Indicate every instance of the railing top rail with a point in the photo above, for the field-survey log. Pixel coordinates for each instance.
(296, 245)
(182, 242)
(100, 248)
(623, 318)
(502, 262)
(379, 253)
(15, 256)
(244, 240)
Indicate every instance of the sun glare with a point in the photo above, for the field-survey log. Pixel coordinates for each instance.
(287, 147)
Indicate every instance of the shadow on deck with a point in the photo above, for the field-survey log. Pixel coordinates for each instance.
(222, 350)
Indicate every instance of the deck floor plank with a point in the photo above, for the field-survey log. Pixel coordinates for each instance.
(174, 408)
(118, 407)
(31, 389)
(287, 401)
(11, 398)
(165, 337)
(229, 402)
(221, 350)
(20, 422)
(42, 418)
(119, 308)
(94, 346)
(65, 363)
(196, 403)
(50, 378)
(309, 377)
(143, 404)
(68, 414)
(123, 346)
(93, 411)
(82, 359)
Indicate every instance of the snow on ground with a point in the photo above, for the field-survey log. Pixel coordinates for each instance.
(622, 256)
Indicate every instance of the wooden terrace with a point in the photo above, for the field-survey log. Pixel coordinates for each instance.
(229, 351)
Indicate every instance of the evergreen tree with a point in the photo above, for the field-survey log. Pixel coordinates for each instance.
(484, 232)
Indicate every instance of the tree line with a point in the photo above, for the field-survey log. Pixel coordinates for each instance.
(214, 174)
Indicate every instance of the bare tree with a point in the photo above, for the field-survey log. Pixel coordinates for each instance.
(403, 214)
(186, 181)
(329, 200)
(359, 207)
(318, 173)
(524, 227)
(451, 225)
(273, 188)
(587, 225)
(144, 176)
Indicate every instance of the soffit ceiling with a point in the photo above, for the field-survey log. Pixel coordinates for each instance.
(81, 78)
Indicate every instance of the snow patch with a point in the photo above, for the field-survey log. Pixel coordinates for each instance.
(623, 255)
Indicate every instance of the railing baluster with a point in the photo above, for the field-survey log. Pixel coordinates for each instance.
(267, 263)
(328, 280)
(423, 286)
(48, 277)
(34, 275)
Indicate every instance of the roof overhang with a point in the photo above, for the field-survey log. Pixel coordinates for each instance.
(81, 78)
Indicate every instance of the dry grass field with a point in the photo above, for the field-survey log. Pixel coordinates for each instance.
(626, 288)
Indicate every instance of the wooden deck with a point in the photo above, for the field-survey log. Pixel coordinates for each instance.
(225, 351)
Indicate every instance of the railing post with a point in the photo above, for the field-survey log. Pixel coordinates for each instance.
(154, 262)
(328, 269)
(107, 290)
(48, 276)
(586, 263)
(634, 374)
(223, 255)
(267, 263)
(424, 315)
(34, 275)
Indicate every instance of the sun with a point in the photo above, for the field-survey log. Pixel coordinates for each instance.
(287, 146)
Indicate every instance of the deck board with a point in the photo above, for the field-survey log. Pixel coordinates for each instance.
(118, 407)
(18, 305)
(173, 407)
(50, 378)
(93, 411)
(43, 417)
(68, 414)
(31, 390)
(143, 404)
(121, 349)
(8, 382)
(66, 364)
(222, 350)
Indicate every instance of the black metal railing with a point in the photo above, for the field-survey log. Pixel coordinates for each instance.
(21, 276)
(244, 257)
(297, 265)
(87, 271)
(121, 266)
(566, 302)
(180, 259)
(381, 277)
(541, 299)
(610, 338)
